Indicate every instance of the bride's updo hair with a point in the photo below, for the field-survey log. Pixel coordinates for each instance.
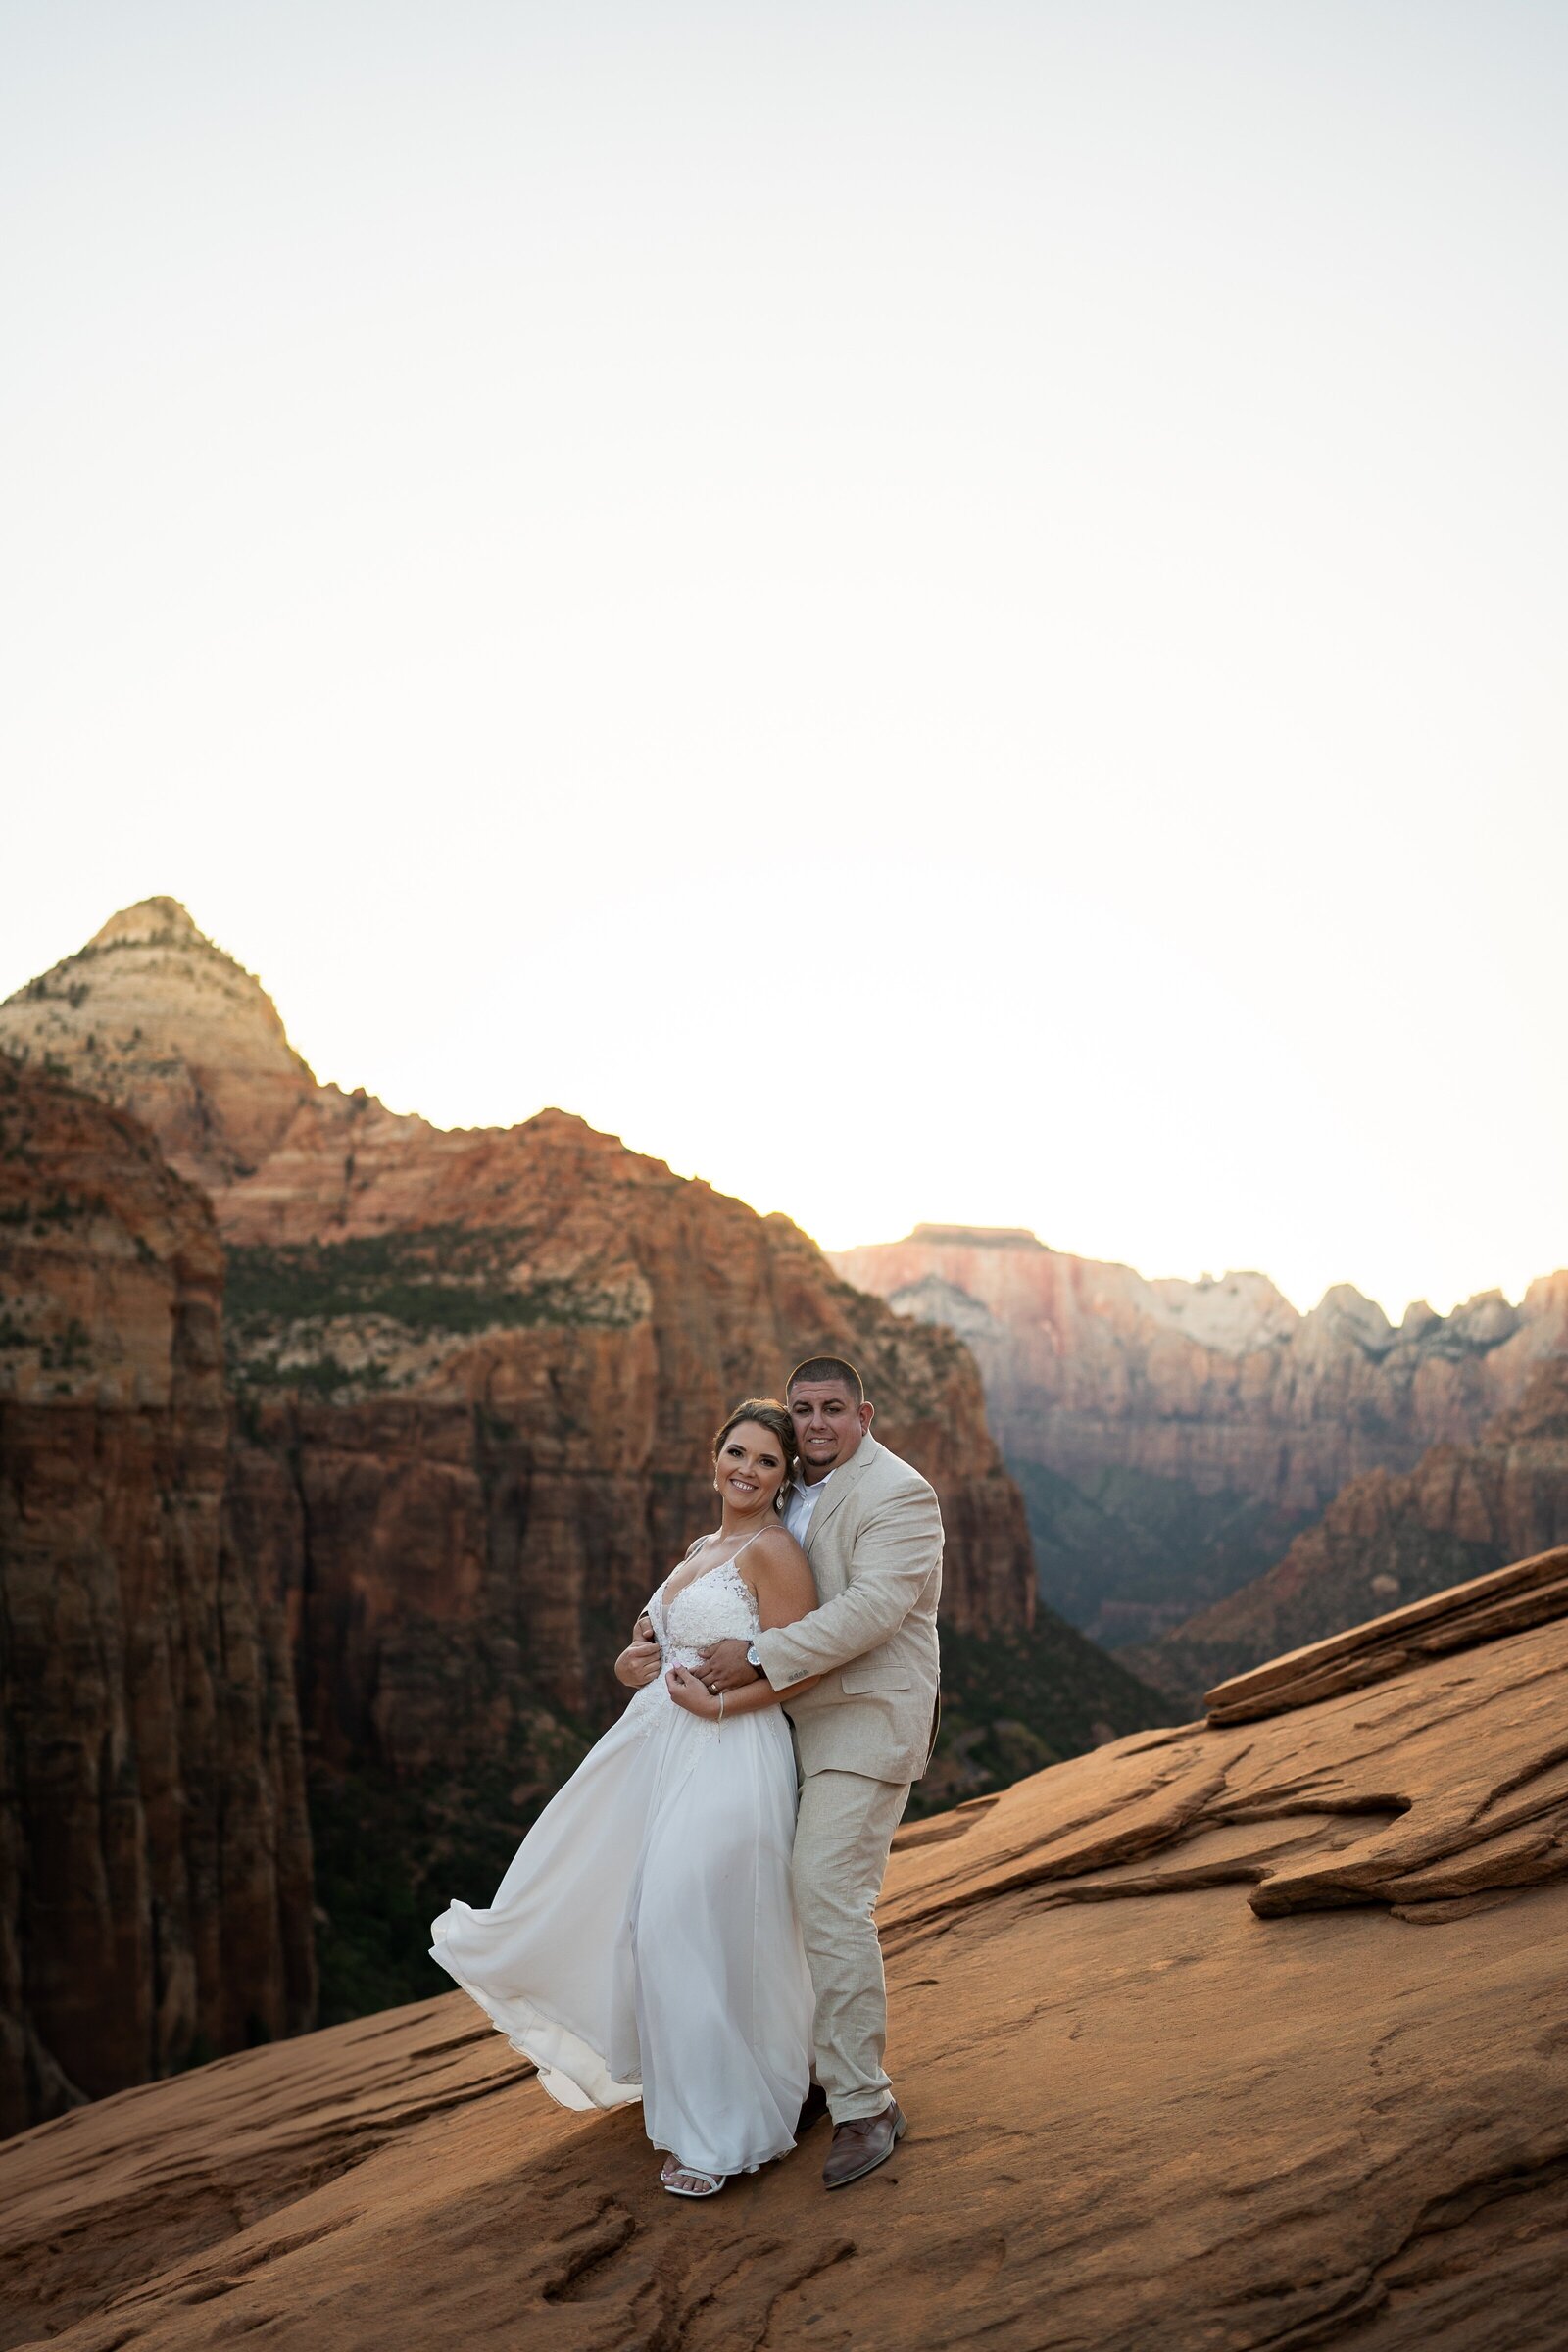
(768, 1414)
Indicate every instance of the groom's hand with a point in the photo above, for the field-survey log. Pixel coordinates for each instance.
(725, 1667)
(638, 1663)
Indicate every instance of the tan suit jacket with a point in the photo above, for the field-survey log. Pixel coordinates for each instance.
(874, 1543)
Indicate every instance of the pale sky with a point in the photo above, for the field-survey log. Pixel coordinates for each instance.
(946, 611)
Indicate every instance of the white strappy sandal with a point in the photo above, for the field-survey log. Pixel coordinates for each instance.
(690, 2171)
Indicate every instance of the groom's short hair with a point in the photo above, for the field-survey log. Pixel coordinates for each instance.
(829, 1367)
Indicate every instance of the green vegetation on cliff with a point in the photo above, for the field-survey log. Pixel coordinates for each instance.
(325, 1316)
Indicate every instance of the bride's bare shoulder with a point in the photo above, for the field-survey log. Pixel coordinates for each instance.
(778, 1544)
(776, 1553)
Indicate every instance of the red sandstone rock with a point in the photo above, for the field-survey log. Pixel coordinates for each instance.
(655, 1299)
(1246, 2037)
(527, 1489)
(154, 1856)
(476, 1376)
(496, 1448)
(1525, 1593)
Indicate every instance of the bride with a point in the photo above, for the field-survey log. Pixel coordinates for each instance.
(643, 1944)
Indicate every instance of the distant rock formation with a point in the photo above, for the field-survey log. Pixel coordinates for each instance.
(1088, 1366)
(477, 1374)
(1389, 1540)
(1246, 2036)
(155, 1861)
(1197, 1425)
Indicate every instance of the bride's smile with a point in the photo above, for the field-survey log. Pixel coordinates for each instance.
(749, 1473)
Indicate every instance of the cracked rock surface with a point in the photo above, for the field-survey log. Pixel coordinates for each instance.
(1242, 2034)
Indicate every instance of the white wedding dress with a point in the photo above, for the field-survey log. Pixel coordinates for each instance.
(643, 1944)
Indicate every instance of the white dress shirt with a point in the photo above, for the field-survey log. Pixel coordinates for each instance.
(801, 1503)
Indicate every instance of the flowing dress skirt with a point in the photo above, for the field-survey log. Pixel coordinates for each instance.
(644, 1944)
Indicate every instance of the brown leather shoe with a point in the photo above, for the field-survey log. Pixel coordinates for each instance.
(860, 2147)
(813, 2112)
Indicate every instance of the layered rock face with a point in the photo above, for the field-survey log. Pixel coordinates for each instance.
(155, 1861)
(501, 1421)
(1088, 1366)
(1388, 1540)
(1239, 2035)
(583, 1293)
(1172, 1437)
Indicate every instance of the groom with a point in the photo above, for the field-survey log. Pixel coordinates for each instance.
(871, 1529)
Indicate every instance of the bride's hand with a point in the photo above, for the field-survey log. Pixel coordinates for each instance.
(688, 1693)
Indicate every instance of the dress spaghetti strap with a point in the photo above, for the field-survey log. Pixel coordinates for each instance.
(746, 1546)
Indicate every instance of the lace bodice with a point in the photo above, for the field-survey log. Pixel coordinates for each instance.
(717, 1606)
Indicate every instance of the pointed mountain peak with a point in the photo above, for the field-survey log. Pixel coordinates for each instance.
(152, 1015)
(150, 922)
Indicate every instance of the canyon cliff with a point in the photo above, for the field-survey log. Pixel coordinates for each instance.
(1173, 1436)
(1245, 2034)
(476, 1375)
(154, 1860)
(541, 1272)
(1389, 1539)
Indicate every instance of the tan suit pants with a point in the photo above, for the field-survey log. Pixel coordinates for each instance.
(842, 1836)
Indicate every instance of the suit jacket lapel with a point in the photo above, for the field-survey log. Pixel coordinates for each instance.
(839, 1487)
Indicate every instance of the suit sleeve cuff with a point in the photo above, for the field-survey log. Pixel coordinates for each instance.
(774, 1649)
